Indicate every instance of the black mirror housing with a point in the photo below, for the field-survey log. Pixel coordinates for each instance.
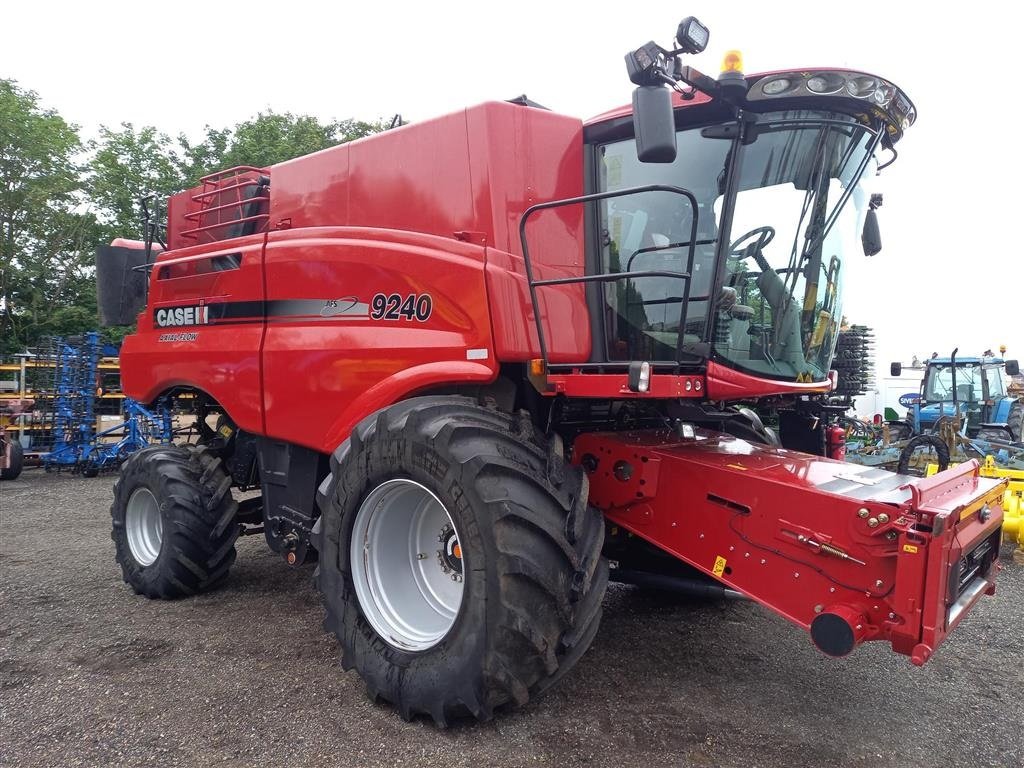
(1012, 368)
(871, 238)
(654, 124)
(895, 369)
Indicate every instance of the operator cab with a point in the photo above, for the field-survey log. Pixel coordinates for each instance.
(725, 229)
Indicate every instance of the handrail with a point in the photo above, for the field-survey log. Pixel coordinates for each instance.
(196, 215)
(613, 276)
(228, 185)
(199, 197)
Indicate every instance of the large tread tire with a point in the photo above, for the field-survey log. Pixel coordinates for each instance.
(931, 441)
(16, 463)
(899, 431)
(535, 577)
(1015, 421)
(197, 515)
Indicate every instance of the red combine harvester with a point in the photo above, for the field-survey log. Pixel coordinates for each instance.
(479, 364)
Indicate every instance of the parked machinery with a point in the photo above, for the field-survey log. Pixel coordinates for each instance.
(974, 390)
(854, 362)
(12, 454)
(67, 412)
(448, 353)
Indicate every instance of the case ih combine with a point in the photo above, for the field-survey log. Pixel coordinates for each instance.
(479, 363)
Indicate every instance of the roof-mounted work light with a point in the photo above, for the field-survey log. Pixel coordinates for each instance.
(652, 67)
(692, 36)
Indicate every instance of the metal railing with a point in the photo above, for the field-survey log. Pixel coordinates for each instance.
(225, 185)
(609, 277)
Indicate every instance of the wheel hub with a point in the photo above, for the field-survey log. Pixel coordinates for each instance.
(409, 589)
(143, 526)
(450, 555)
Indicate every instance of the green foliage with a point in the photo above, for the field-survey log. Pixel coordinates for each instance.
(55, 210)
(131, 163)
(43, 233)
(128, 165)
(273, 138)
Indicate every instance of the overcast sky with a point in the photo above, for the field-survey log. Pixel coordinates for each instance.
(951, 271)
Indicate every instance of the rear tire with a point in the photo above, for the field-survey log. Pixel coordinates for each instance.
(1015, 421)
(17, 462)
(899, 431)
(174, 525)
(930, 441)
(532, 575)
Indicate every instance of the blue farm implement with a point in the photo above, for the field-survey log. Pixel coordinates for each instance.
(77, 444)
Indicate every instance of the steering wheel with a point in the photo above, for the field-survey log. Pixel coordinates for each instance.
(764, 236)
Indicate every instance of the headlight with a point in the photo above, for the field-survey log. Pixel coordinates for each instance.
(879, 98)
(883, 95)
(862, 87)
(776, 86)
(825, 83)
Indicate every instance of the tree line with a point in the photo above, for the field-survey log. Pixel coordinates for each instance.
(61, 196)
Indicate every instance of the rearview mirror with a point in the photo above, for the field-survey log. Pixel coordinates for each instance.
(654, 124)
(1012, 368)
(871, 237)
(895, 369)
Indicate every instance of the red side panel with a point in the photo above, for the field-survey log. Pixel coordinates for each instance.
(177, 207)
(729, 384)
(414, 178)
(524, 156)
(203, 328)
(334, 354)
(904, 558)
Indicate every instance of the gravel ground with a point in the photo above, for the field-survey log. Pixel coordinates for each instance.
(91, 674)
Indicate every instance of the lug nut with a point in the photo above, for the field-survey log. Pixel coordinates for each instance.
(883, 517)
(863, 512)
(872, 522)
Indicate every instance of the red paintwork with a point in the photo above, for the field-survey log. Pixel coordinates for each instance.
(430, 207)
(662, 385)
(321, 376)
(427, 208)
(728, 384)
(766, 497)
(224, 361)
(282, 336)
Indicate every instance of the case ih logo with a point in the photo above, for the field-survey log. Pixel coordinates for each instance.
(173, 316)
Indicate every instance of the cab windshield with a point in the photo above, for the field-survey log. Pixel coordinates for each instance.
(971, 382)
(774, 308)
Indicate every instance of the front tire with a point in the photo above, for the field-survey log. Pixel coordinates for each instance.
(174, 525)
(527, 600)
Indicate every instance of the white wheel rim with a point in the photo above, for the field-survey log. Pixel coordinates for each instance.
(407, 565)
(143, 525)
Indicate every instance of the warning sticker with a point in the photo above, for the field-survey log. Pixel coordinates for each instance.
(719, 568)
(910, 548)
(613, 166)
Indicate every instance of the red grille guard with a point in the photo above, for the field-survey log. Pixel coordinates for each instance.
(850, 553)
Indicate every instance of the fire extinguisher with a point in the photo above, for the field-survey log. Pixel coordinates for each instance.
(835, 439)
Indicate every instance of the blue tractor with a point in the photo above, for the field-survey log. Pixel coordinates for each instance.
(973, 388)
